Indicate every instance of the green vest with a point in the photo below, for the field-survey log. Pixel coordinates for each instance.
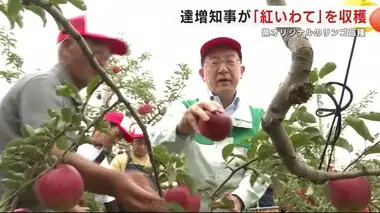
(238, 134)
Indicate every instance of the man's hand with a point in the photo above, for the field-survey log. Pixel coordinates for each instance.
(197, 111)
(238, 204)
(135, 192)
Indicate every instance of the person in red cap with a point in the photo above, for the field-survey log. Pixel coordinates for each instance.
(134, 160)
(100, 151)
(29, 99)
(221, 70)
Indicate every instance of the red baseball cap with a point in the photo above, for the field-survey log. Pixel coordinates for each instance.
(136, 132)
(220, 41)
(122, 121)
(117, 46)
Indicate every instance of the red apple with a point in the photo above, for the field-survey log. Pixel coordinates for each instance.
(115, 69)
(217, 128)
(181, 195)
(144, 109)
(300, 192)
(61, 188)
(24, 210)
(350, 194)
(193, 203)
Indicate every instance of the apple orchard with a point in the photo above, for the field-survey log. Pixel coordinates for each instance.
(289, 146)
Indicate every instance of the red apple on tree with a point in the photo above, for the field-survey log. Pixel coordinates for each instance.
(115, 69)
(144, 109)
(352, 194)
(217, 128)
(182, 196)
(60, 188)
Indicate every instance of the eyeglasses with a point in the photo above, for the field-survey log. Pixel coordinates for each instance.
(215, 63)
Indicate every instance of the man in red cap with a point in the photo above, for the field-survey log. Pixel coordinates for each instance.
(221, 70)
(28, 101)
(100, 151)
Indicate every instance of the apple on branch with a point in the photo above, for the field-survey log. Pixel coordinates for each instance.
(60, 188)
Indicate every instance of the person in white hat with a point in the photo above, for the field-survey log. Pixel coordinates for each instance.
(99, 152)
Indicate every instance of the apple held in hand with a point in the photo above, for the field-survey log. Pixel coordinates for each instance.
(349, 194)
(182, 196)
(217, 128)
(61, 188)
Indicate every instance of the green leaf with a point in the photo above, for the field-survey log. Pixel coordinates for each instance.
(300, 139)
(278, 185)
(313, 132)
(82, 139)
(252, 152)
(15, 176)
(327, 69)
(310, 190)
(161, 154)
(67, 114)
(360, 127)
(227, 150)
(305, 116)
(102, 126)
(12, 184)
(91, 86)
(62, 143)
(374, 149)
(321, 89)
(343, 143)
(29, 149)
(58, 1)
(313, 76)
(38, 11)
(265, 151)
(372, 116)
(27, 131)
(13, 8)
(78, 4)
(67, 90)
(15, 143)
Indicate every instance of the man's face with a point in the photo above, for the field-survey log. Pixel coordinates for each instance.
(80, 67)
(222, 70)
(107, 140)
(139, 147)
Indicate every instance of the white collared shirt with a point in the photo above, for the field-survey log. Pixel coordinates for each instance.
(90, 152)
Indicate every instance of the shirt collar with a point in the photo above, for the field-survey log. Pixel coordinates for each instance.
(234, 103)
(63, 75)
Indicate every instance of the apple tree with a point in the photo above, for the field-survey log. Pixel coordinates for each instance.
(287, 148)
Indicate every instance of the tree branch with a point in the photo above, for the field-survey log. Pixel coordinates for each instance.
(56, 14)
(296, 90)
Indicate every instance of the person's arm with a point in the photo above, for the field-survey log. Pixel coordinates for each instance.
(39, 95)
(165, 131)
(119, 162)
(249, 193)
